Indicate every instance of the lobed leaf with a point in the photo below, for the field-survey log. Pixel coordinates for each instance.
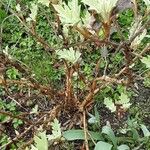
(102, 7)
(69, 14)
(146, 61)
(110, 104)
(69, 55)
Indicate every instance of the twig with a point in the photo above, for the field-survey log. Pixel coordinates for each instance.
(69, 99)
(106, 65)
(135, 8)
(139, 32)
(17, 64)
(17, 102)
(85, 131)
(23, 69)
(23, 133)
(24, 146)
(147, 48)
(43, 89)
(95, 90)
(96, 39)
(89, 97)
(111, 80)
(30, 113)
(16, 116)
(128, 61)
(91, 138)
(139, 147)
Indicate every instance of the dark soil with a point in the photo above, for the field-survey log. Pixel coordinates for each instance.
(142, 103)
(141, 106)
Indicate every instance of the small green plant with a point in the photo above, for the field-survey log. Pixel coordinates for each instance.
(11, 107)
(56, 131)
(123, 102)
(41, 140)
(107, 140)
(13, 73)
(3, 139)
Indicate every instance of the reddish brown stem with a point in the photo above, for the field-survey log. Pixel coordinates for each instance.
(128, 59)
(70, 99)
(106, 30)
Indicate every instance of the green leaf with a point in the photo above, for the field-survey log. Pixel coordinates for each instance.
(137, 41)
(12, 73)
(147, 3)
(18, 8)
(123, 147)
(72, 135)
(3, 15)
(124, 98)
(103, 146)
(135, 27)
(56, 130)
(69, 55)
(69, 15)
(135, 134)
(110, 133)
(92, 119)
(86, 18)
(41, 142)
(33, 9)
(30, 149)
(109, 104)
(146, 61)
(34, 109)
(44, 2)
(124, 101)
(103, 7)
(146, 132)
(33, 148)
(97, 116)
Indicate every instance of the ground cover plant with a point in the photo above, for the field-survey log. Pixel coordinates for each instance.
(74, 74)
